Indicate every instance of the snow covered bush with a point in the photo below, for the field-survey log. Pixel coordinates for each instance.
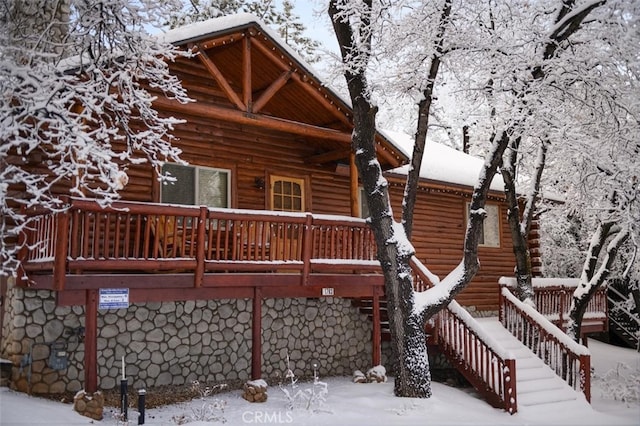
(205, 390)
(620, 384)
(208, 411)
(308, 397)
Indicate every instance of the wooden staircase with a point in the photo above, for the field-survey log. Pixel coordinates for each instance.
(518, 359)
(365, 305)
(537, 384)
(623, 323)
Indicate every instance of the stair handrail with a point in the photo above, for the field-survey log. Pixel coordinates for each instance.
(629, 316)
(624, 310)
(567, 358)
(481, 359)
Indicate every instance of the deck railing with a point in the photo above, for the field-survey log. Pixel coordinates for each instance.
(552, 298)
(568, 359)
(128, 236)
(490, 369)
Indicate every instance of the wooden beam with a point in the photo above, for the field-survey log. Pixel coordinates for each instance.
(256, 335)
(61, 248)
(218, 113)
(271, 90)
(224, 40)
(246, 73)
(200, 247)
(338, 154)
(91, 342)
(220, 79)
(318, 93)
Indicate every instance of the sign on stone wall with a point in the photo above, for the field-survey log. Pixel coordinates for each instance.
(113, 298)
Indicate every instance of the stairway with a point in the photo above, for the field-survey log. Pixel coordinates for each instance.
(366, 307)
(623, 323)
(536, 383)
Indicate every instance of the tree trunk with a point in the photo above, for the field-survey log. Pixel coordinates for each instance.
(592, 276)
(413, 375)
(408, 336)
(521, 226)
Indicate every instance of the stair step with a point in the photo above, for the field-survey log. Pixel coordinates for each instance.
(528, 362)
(540, 385)
(547, 397)
(525, 374)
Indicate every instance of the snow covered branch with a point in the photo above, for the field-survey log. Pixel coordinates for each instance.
(78, 107)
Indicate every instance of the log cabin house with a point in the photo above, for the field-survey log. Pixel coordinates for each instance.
(260, 234)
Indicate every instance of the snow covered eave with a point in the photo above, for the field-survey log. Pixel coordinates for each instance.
(442, 186)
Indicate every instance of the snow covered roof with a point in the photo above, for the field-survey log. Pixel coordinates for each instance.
(201, 30)
(442, 163)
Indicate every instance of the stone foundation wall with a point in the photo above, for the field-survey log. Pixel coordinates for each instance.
(176, 343)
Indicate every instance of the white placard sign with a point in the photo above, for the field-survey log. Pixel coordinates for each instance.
(113, 298)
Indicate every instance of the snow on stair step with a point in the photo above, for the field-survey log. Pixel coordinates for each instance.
(545, 384)
(525, 374)
(536, 383)
(547, 396)
(527, 362)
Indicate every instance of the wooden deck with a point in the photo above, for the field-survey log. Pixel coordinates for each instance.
(168, 253)
(196, 252)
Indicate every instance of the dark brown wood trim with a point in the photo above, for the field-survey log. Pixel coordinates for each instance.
(271, 91)
(266, 122)
(354, 188)
(246, 74)
(256, 335)
(220, 79)
(91, 342)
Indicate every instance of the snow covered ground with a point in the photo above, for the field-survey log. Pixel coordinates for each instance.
(617, 373)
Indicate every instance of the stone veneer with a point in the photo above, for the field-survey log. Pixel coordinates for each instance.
(175, 343)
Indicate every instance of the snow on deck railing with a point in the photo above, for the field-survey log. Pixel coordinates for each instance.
(151, 237)
(553, 298)
(569, 359)
(41, 235)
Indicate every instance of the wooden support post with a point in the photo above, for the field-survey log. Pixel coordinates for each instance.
(377, 335)
(246, 73)
(354, 189)
(256, 334)
(501, 305)
(585, 376)
(307, 247)
(561, 325)
(91, 342)
(509, 386)
(200, 247)
(61, 249)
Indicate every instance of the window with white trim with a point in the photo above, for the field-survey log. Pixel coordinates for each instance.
(490, 235)
(197, 185)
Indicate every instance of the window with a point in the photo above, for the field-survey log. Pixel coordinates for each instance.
(490, 236)
(197, 185)
(364, 207)
(287, 194)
